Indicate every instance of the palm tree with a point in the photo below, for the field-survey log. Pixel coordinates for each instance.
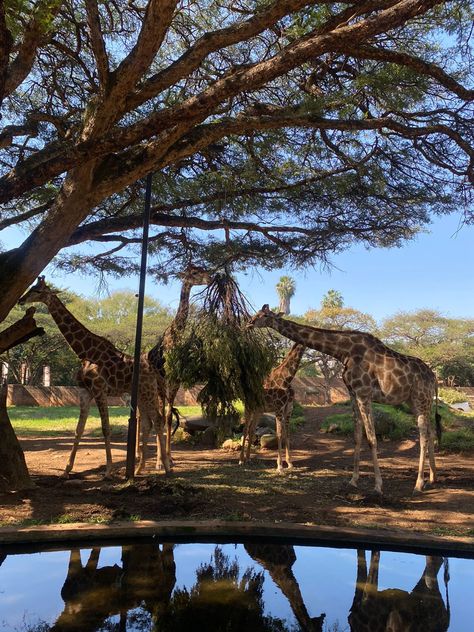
(286, 289)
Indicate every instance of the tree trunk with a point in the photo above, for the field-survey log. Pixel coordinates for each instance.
(19, 332)
(14, 474)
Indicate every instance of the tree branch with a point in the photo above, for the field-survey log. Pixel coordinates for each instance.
(36, 33)
(415, 63)
(97, 42)
(20, 332)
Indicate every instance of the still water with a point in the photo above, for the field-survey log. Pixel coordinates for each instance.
(227, 587)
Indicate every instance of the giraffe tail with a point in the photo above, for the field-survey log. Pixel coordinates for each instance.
(175, 413)
(439, 427)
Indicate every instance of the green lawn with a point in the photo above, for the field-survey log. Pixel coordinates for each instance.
(55, 421)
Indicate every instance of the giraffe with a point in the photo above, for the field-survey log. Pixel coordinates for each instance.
(191, 276)
(278, 397)
(92, 593)
(421, 610)
(104, 371)
(372, 372)
(277, 560)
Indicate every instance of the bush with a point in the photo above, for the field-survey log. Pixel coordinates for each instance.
(461, 440)
(297, 417)
(390, 422)
(451, 396)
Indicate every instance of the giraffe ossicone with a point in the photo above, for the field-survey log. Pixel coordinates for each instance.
(372, 373)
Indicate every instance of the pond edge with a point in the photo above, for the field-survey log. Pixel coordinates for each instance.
(52, 536)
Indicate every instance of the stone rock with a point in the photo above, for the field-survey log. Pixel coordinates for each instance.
(268, 442)
(208, 437)
(267, 420)
(263, 430)
(465, 407)
(230, 445)
(198, 423)
(333, 428)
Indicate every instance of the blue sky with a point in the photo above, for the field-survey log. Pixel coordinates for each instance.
(433, 271)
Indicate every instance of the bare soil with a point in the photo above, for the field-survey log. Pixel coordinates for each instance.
(208, 483)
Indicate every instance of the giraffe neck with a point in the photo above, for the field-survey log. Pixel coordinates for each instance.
(168, 339)
(333, 343)
(179, 321)
(82, 341)
(286, 370)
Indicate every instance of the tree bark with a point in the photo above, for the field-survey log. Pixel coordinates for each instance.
(19, 332)
(14, 473)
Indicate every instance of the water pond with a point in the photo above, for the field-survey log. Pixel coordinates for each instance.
(225, 587)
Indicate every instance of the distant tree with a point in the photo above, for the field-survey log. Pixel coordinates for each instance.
(114, 317)
(332, 298)
(286, 289)
(446, 344)
(333, 315)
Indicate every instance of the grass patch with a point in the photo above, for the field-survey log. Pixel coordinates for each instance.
(451, 396)
(461, 440)
(55, 421)
(297, 418)
(396, 422)
(390, 422)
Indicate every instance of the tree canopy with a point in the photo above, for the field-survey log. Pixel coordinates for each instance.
(279, 131)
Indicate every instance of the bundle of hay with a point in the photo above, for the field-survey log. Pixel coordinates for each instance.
(218, 351)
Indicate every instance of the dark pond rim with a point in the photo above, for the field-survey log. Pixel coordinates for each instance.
(59, 537)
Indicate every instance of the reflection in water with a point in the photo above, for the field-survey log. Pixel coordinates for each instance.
(278, 560)
(421, 610)
(91, 594)
(139, 592)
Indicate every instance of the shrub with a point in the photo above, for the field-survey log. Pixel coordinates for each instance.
(390, 422)
(461, 440)
(451, 396)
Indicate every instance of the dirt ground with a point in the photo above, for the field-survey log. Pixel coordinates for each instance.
(209, 484)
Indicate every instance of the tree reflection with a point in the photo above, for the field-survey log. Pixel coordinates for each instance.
(220, 600)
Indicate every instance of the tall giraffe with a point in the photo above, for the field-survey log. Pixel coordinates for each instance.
(193, 275)
(279, 398)
(372, 372)
(421, 610)
(104, 371)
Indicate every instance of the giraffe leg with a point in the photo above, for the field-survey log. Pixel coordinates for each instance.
(286, 429)
(365, 409)
(145, 426)
(84, 403)
(423, 421)
(161, 451)
(244, 437)
(169, 431)
(279, 431)
(431, 452)
(101, 402)
(357, 442)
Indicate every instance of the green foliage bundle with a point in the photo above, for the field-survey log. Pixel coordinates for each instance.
(216, 350)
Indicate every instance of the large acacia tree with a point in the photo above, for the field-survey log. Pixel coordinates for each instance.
(279, 131)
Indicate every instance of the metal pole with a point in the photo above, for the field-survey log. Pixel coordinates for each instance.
(132, 422)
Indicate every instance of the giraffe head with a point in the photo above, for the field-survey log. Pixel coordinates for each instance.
(194, 275)
(38, 293)
(264, 318)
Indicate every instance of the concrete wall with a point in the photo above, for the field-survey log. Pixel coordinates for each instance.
(309, 391)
